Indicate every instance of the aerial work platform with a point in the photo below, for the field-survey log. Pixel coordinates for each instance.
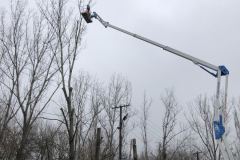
(219, 120)
(87, 17)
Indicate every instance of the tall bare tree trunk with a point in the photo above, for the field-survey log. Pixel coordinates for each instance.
(144, 121)
(69, 30)
(172, 109)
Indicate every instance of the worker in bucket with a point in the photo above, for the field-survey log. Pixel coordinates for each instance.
(87, 15)
(88, 9)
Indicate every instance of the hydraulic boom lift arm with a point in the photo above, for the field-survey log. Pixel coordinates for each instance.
(219, 112)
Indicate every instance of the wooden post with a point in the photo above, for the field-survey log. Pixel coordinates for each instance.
(134, 150)
(130, 150)
(120, 135)
(98, 144)
(197, 153)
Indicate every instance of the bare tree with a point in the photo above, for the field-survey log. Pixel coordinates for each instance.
(169, 123)
(44, 140)
(28, 67)
(69, 30)
(236, 114)
(7, 98)
(118, 93)
(81, 85)
(87, 102)
(144, 121)
(201, 122)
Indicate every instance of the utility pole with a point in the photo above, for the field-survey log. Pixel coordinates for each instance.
(197, 154)
(98, 144)
(134, 149)
(120, 130)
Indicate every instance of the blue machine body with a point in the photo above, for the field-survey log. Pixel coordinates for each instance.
(219, 128)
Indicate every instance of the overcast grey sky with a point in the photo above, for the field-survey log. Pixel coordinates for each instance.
(208, 30)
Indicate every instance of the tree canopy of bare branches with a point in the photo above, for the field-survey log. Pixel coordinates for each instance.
(27, 67)
(169, 123)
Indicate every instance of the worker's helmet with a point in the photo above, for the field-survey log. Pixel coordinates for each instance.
(88, 7)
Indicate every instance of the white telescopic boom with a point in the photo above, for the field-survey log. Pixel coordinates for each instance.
(169, 49)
